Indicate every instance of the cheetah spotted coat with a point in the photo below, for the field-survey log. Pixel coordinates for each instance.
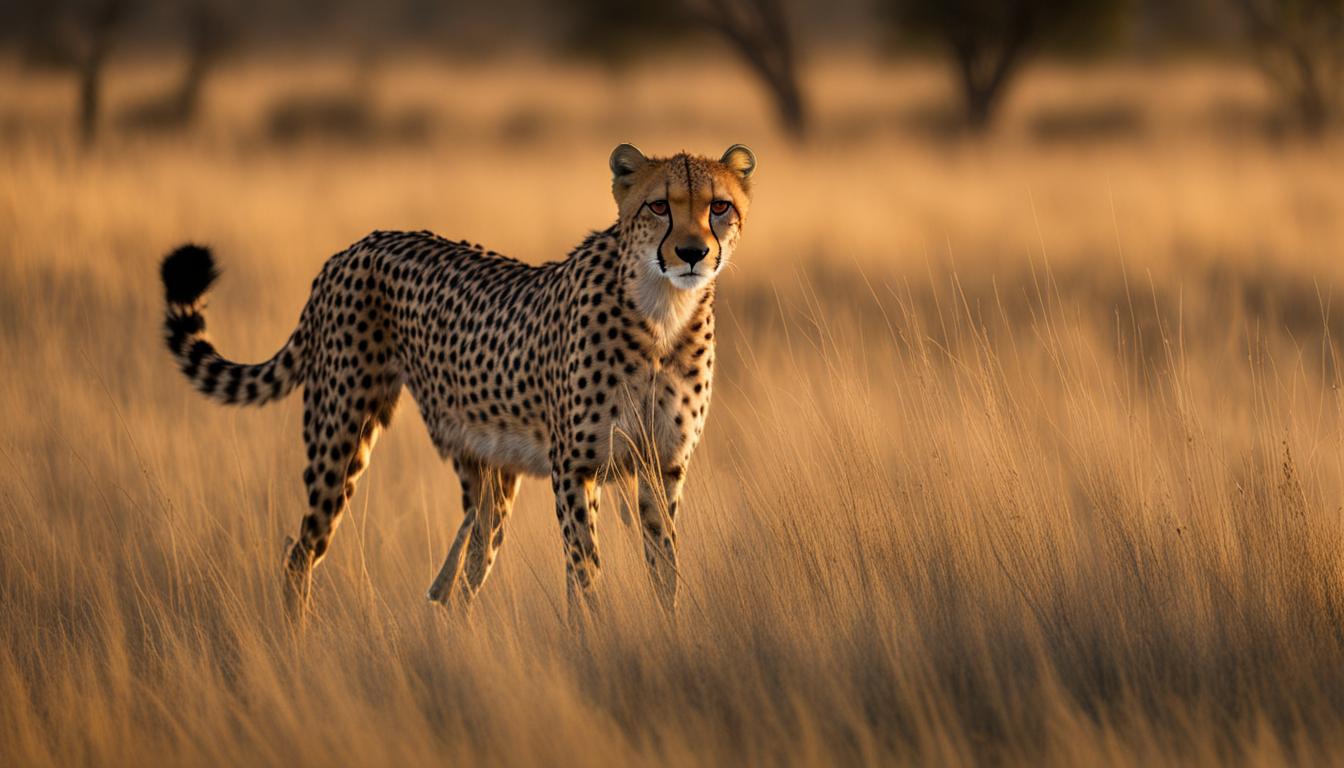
(589, 369)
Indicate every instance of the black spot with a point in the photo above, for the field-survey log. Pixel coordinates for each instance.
(182, 326)
(199, 350)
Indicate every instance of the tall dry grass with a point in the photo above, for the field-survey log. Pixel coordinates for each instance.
(1020, 453)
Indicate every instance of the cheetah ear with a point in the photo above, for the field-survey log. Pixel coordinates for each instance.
(625, 160)
(740, 160)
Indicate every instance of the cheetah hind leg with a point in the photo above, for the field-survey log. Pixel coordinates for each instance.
(450, 575)
(441, 591)
(487, 499)
(298, 570)
(627, 495)
(335, 467)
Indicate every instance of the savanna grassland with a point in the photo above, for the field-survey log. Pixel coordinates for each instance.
(1024, 450)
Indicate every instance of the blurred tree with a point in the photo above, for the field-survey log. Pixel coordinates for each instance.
(618, 31)
(1301, 49)
(210, 28)
(79, 35)
(989, 39)
(757, 30)
(101, 20)
(75, 35)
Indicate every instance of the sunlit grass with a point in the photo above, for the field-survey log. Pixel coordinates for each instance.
(1018, 453)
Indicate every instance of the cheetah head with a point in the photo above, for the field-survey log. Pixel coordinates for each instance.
(681, 216)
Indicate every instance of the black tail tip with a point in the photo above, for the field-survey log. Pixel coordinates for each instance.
(187, 273)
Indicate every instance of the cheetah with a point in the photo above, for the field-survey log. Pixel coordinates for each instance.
(591, 370)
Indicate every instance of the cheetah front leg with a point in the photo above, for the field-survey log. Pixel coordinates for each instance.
(659, 498)
(487, 500)
(576, 496)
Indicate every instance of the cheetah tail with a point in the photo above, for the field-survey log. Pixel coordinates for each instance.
(187, 274)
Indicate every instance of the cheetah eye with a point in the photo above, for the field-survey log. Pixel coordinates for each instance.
(719, 207)
(659, 207)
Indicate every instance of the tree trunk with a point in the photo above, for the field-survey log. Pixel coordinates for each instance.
(103, 23)
(90, 96)
(789, 103)
(986, 69)
(1301, 78)
(1312, 109)
(758, 30)
(211, 32)
(781, 80)
(977, 96)
(187, 99)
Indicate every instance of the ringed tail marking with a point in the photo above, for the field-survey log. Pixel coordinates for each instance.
(188, 273)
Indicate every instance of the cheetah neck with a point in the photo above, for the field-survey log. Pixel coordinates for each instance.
(668, 309)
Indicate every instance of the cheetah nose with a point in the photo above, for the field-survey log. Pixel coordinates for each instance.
(692, 255)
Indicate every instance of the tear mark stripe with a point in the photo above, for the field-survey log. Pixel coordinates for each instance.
(718, 255)
(662, 265)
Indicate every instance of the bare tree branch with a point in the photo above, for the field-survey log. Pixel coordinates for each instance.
(758, 30)
(103, 19)
(1301, 53)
